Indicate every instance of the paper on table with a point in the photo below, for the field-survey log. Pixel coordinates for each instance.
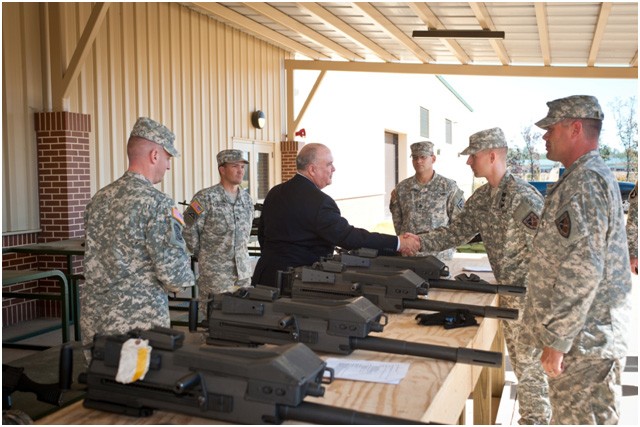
(479, 269)
(366, 370)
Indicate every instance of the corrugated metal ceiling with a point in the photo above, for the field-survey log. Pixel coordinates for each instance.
(592, 35)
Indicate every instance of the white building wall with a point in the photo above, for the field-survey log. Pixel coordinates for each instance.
(350, 114)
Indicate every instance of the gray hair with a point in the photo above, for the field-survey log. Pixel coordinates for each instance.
(307, 155)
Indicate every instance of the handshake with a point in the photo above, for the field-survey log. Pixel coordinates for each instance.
(409, 244)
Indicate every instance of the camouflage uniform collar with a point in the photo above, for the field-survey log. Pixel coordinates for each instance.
(417, 185)
(139, 176)
(498, 198)
(577, 164)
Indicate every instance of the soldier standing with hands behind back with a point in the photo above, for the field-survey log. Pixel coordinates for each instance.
(579, 285)
(426, 200)
(218, 223)
(135, 253)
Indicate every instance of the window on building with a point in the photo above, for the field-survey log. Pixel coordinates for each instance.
(448, 131)
(424, 122)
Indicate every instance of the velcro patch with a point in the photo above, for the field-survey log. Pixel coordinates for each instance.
(564, 224)
(531, 221)
(197, 207)
(177, 215)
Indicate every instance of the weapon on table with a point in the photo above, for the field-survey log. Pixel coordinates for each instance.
(430, 268)
(256, 315)
(238, 385)
(14, 379)
(391, 290)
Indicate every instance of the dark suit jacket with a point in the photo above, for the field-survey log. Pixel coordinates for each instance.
(300, 224)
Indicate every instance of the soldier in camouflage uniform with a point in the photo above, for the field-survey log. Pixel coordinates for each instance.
(505, 211)
(218, 224)
(579, 284)
(632, 229)
(135, 253)
(426, 200)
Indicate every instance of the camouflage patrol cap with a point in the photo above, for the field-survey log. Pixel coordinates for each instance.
(485, 139)
(572, 107)
(155, 132)
(422, 148)
(231, 156)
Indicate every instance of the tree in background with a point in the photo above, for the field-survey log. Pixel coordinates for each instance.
(624, 112)
(529, 154)
(514, 160)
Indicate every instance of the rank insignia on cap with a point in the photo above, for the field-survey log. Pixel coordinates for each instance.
(531, 220)
(197, 207)
(177, 215)
(564, 224)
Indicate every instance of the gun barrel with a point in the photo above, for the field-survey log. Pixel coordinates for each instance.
(476, 310)
(322, 414)
(488, 288)
(452, 354)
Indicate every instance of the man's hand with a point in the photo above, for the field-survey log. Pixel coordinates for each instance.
(409, 244)
(634, 265)
(551, 360)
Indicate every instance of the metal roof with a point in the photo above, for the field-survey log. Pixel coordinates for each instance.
(585, 39)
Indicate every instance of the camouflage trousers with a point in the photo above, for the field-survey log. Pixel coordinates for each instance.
(533, 390)
(587, 392)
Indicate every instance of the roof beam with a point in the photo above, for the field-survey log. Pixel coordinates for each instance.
(339, 25)
(431, 21)
(543, 32)
(484, 19)
(393, 31)
(603, 17)
(98, 13)
(312, 93)
(258, 30)
(294, 25)
(469, 70)
(634, 60)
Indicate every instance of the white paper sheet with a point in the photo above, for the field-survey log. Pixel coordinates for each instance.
(478, 269)
(366, 370)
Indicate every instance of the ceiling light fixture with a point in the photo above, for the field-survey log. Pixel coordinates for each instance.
(459, 34)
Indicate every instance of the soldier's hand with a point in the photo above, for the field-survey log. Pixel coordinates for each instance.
(409, 244)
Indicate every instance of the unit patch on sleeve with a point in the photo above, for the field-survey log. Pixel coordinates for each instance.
(175, 213)
(564, 224)
(531, 221)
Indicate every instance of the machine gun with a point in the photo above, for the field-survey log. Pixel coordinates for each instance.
(14, 379)
(237, 385)
(429, 268)
(391, 290)
(255, 316)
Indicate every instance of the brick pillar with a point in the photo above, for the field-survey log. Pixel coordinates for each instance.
(64, 186)
(63, 173)
(288, 153)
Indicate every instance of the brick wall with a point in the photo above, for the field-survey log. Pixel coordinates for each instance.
(288, 152)
(64, 191)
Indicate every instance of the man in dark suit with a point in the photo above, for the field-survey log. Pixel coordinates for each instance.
(300, 223)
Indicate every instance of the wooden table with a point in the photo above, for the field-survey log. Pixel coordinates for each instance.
(432, 391)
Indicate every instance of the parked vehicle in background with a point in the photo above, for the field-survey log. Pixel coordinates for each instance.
(625, 189)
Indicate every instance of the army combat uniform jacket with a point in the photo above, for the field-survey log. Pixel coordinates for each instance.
(135, 254)
(418, 208)
(507, 219)
(579, 283)
(217, 233)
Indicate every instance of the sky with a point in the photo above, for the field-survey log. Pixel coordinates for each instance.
(513, 103)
